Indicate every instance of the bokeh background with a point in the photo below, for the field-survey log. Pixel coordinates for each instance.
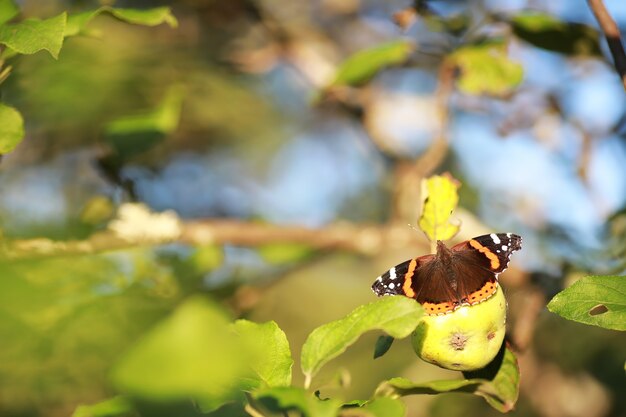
(256, 139)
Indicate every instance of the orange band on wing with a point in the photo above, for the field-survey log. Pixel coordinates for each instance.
(408, 279)
(495, 262)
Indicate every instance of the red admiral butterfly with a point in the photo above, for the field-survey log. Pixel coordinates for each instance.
(465, 274)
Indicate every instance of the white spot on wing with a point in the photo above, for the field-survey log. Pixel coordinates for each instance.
(392, 273)
(504, 247)
(495, 238)
(392, 286)
(379, 279)
(508, 235)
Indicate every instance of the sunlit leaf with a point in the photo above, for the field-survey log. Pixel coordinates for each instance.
(397, 316)
(193, 353)
(11, 128)
(115, 406)
(8, 10)
(547, 32)
(498, 383)
(379, 407)
(282, 253)
(97, 210)
(77, 23)
(455, 24)
(283, 399)
(146, 17)
(440, 194)
(33, 35)
(134, 134)
(270, 354)
(364, 64)
(206, 258)
(486, 69)
(596, 300)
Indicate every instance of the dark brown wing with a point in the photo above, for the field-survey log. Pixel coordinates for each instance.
(435, 288)
(399, 279)
(492, 251)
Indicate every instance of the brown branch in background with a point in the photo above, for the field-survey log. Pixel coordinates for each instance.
(526, 305)
(409, 176)
(362, 239)
(584, 160)
(613, 36)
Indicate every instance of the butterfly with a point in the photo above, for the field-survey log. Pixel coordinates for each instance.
(465, 274)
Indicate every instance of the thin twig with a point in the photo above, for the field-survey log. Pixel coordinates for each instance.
(613, 36)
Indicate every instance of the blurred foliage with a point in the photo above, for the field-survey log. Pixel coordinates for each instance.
(363, 65)
(544, 31)
(11, 130)
(485, 69)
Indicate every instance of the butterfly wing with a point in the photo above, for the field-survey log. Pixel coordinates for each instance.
(398, 280)
(492, 252)
(478, 262)
(470, 277)
(418, 278)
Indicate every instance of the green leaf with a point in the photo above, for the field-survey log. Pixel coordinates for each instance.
(501, 381)
(486, 69)
(364, 64)
(595, 300)
(33, 35)
(77, 23)
(283, 399)
(8, 10)
(270, 357)
(206, 258)
(11, 128)
(498, 383)
(115, 406)
(193, 353)
(131, 135)
(282, 253)
(547, 32)
(146, 17)
(380, 407)
(440, 193)
(383, 343)
(397, 316)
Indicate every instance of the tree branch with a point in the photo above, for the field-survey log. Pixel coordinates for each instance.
(613, 36)
(362, 239)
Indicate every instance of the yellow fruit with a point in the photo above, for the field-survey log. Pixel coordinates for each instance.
(464, 340)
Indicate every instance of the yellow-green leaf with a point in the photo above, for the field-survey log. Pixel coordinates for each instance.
(440, 196)
(134, 134)
(397, 316)
(115, 406)
(77, 23)
(8, 10)
(11, 128)
(486, 69)
(285, 399)
(33, 35)
(191, 354)
(269, 350)
(364, 64)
